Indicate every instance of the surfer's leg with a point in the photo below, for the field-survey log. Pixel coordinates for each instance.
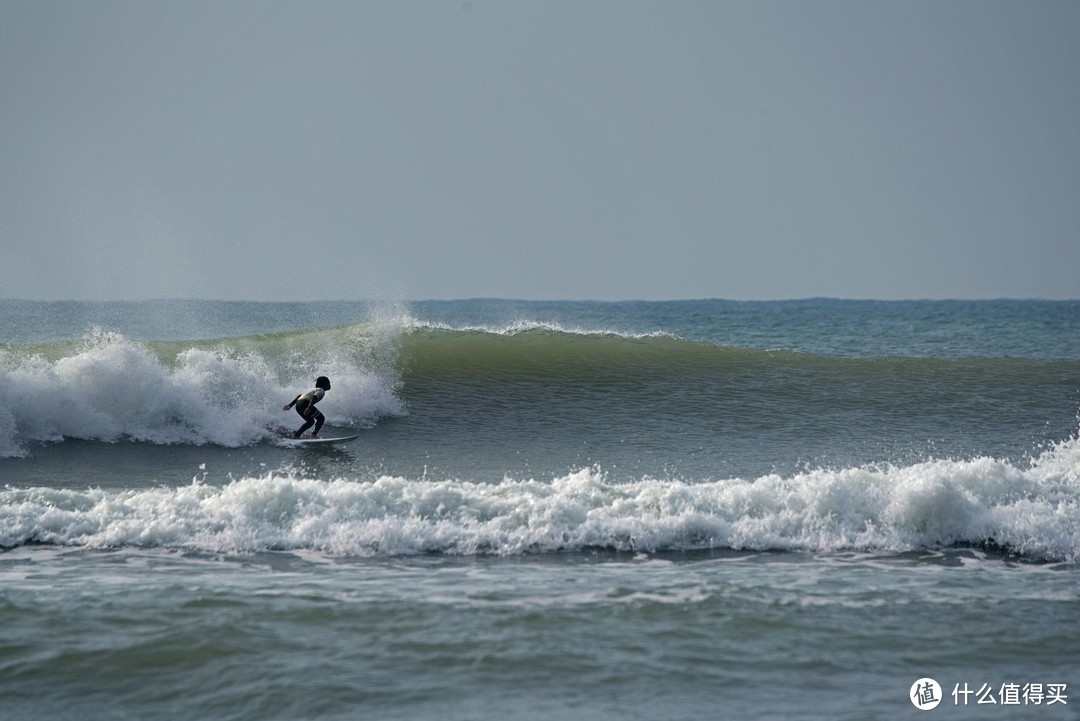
(319, 419)
(301, 406)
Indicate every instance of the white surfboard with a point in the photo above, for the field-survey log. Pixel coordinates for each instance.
(322, 440)
(287, 439)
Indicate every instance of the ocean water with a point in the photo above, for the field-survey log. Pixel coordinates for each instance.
(642, 510)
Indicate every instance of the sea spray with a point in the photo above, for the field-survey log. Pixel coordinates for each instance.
(227, 392)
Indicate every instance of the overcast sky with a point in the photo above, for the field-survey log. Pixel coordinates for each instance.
(582, 150)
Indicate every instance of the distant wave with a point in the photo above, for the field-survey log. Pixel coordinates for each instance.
(1033, 512)
(528, 326)
(524, 352)
(432, 342)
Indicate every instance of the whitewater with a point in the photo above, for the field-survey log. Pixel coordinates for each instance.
(1032, 512)
(677, 510)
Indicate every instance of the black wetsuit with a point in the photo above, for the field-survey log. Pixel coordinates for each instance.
(305, 401)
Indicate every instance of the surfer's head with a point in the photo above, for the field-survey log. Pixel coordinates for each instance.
(322, 382)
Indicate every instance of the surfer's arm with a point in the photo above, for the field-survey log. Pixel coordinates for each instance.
(291, 403)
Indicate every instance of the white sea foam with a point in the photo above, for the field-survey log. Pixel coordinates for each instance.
(1033, 511)
(522, 326)
(114, 388)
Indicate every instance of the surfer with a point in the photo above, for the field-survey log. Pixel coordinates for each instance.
(305, 406)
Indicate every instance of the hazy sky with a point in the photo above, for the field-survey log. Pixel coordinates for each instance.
(545, 149)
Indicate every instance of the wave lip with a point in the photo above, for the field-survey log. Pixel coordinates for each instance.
(1032, 512)
(522, 326)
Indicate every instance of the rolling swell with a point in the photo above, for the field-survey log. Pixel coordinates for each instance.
(511, 385)
(552, 352)
(626, 379)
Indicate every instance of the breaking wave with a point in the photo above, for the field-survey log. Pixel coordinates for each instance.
(107, 387)
(1031, 511)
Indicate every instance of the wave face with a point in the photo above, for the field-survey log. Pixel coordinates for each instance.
(1032, 511)
(526, 382)
(682, 399)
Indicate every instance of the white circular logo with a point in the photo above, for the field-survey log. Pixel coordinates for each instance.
(925, 694)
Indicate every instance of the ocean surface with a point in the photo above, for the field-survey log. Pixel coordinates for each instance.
(555, 510)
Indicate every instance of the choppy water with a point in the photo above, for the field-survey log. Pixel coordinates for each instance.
(581, 510)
